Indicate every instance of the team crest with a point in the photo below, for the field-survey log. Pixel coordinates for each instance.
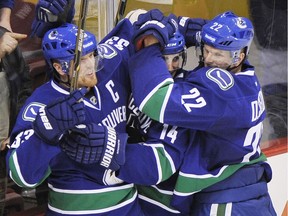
(107, 51)
(31, 111)
(221, 77)
(241, 23)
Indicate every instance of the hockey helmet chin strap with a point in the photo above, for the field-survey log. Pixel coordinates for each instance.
(57, 78)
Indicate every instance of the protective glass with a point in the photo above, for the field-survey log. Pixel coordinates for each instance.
(99, 60)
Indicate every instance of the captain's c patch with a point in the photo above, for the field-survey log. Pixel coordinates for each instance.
(221, 77)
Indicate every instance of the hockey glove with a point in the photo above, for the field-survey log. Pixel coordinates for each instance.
(88, 144)
(188, 27)
(58, 117)
(51, 14)
(154, 23)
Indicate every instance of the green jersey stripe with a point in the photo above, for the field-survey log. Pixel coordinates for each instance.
(16, 176)
(96, 200)
(187, 185)
(154, 103)
(157, 197)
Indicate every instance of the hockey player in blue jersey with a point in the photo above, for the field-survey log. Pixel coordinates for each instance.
(156, 199)
(224, 171)
(50, 115)
(73, 171)
(138, 175)
(161, 151)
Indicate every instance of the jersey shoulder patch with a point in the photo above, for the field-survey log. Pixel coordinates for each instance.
(106, 51)
(31, 110)
(221, 77)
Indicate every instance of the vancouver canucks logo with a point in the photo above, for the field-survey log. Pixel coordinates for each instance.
(221, 77)
(31, 111)
(241, 23)
(107, 51)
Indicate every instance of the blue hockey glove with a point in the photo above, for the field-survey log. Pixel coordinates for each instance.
(55, 6)
(51, 14)
(58, 117)
(154, 23)
(189, 27)
(88, 144)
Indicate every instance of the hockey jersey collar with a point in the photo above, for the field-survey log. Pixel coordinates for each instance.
(248, 70)
(66, 91)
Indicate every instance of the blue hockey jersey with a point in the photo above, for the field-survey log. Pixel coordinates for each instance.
(160, 152)
(75, 189)
(226, 109)
(171, 141)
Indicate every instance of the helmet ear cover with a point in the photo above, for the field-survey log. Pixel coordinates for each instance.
(65, 65)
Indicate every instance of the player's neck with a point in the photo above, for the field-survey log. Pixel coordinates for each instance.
(235, 70)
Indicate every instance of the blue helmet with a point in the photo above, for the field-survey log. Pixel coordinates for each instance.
(60, 43)
(228, 31)
(175, 45)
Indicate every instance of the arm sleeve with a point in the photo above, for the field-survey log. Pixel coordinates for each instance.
(149, 79)
(4, 107)
(206, 96)
(28, 159)
(17, 72)
(158, 158)
(7, 3)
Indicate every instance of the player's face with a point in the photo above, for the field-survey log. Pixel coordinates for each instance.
(87, 75)
(173, 62)
(216, 58)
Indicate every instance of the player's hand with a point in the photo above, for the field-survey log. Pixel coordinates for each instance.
(53, 120)
(189, 27)
(51, 14)
(154, 23)
(9, 41)
(88, 144)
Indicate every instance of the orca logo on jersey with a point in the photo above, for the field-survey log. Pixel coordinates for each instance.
(110, 147)
(221, 77)
(45, 119)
